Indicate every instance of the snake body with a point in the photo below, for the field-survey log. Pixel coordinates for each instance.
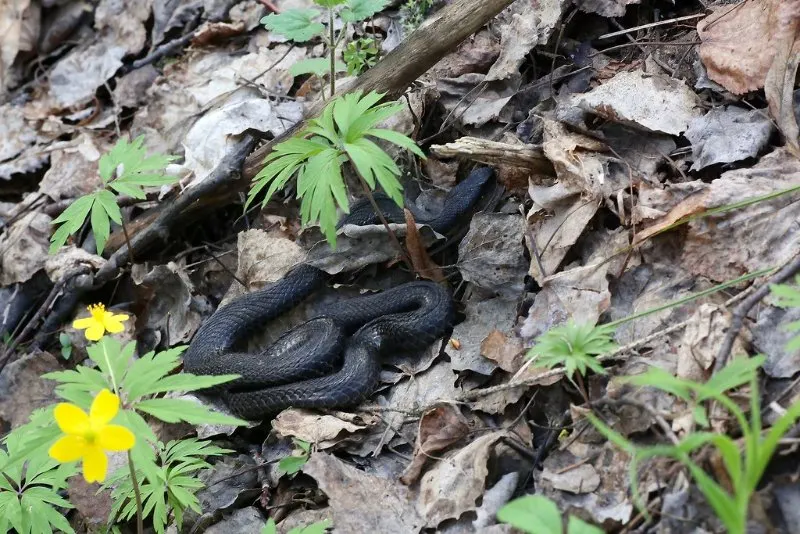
(332, 360)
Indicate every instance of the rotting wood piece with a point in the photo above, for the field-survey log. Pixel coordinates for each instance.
(493, 152)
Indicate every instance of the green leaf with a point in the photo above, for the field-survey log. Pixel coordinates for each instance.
(358, 10)
(575, 346)
(71, 220)
(292, 464)
(295, 24)
(579, 526)
(176, 410)
(270, 527)
(101, 226)
(318, 65)
(397, 139)
(533, 514)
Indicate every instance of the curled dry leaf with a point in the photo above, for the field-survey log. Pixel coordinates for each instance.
(438, 429)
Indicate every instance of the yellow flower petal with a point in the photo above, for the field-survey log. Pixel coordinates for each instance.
(67, 449)
(115, 438)
(71, 419)
(113, 323)
(95, 464)
(81, 324)
(104, 407)
(95, 332)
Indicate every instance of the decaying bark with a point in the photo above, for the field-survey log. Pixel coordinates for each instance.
(492, 152)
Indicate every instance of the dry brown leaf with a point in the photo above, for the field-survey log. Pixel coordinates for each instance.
(456, 483)
(740, 42)
(506, 351)
(438, 429)
(780, 81)
(423, 265)
(360, 502)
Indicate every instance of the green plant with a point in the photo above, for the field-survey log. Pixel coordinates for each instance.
(140, 383)
(316, 155)
(413, 12)
(315, 528)
(294, 462)
(301, 25)
(360, 54)
(124, 170)
(30, 484)
(575, 346)
(789, 297)
(744, 462)
(173, 489)
(536, 514)
(66, 345)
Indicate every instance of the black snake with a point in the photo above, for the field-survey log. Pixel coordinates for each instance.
(333, 360)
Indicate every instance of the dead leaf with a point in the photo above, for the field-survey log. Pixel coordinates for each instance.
(700, 343)
(728, 134)
(740, 42)
(454, 485)
(22, 388)
(780, 81)
(581, 479)
(490, 255)
(522, 26)
(438, 429)
(651, 102)
(23, 248)
(360, 502)
(323, 430)
(483, 318)
(423, 265)
(504, 350)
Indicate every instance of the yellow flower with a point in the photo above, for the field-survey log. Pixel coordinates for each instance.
(100, 322)
(89, 436)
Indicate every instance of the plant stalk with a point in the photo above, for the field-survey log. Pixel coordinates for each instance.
(403, 254)
(137, 495)
(332, 50)
(127, 241)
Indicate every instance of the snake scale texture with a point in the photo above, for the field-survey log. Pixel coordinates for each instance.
(333, 360)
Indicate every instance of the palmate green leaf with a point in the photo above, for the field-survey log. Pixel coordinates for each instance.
(270, 527)
(134, 168)
(70, 221)
(112, 358)
(575, 346)
(397, 139)
(185, 382)
(319, 66)
(367, 120)
(295, 24)
(177, 410)
(148, 370)
(357, 10)
(101, 226)
(533, 514)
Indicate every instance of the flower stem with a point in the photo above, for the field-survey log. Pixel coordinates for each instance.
(332, 48)
(127, 242)
(139, 518)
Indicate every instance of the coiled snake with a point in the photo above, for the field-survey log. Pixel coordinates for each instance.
(333, 360)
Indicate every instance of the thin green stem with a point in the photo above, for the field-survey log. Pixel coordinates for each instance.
(689, 298)
(137, 495)
(332, 49)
